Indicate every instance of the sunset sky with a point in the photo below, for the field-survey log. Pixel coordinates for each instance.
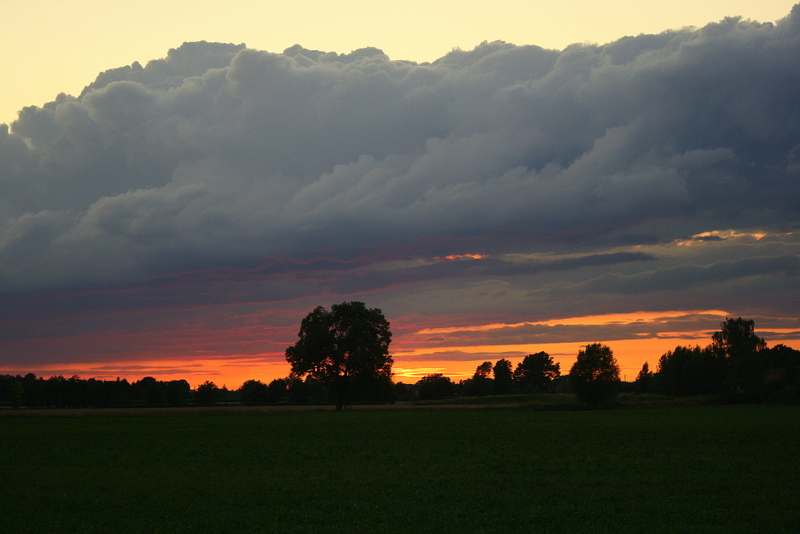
(535, 177)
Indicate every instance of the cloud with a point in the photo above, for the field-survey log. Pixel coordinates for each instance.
(305, 149)
(687, 276)
(222, 174)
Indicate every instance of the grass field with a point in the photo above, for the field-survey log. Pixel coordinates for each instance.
(723, 469)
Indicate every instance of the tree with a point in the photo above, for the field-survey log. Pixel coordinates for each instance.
(644, 379)
(483, 370)
(17, 393)
(254, 393)
(480, 384)
(594, 376)
(178, 392)
(690, 371)
(503, 377)
(151, 391)
(372, 389)
(743, 350)
(436, 386)
(349, 343)
(207, 393)
(787, 359)
(277, 390)
(403, 392)
(536, 371)
(779, 356)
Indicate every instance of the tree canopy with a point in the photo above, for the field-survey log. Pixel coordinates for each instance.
(435, 386)
(344, 346)
(737, 343)
(691, 371)
(594, 376)
(503, 377)
(536, 371)
(483, 370)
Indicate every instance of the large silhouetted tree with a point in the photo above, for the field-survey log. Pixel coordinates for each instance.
(349, 343)
(594, 376)
(503, 377)
(742, 349)
(536, 371)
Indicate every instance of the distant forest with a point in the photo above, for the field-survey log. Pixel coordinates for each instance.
(737, 365)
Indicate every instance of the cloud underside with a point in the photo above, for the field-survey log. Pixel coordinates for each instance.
(494, 179)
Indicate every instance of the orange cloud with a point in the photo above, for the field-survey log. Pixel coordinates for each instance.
(721, 235)
(464, 257)
(588, 320)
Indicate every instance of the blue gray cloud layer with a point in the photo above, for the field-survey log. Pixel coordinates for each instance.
(223, 157)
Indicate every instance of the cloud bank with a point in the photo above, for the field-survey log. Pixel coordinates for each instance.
(567, 179)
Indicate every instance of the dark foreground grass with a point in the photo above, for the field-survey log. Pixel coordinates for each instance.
(723, 469)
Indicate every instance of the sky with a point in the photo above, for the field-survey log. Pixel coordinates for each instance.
(181, 183)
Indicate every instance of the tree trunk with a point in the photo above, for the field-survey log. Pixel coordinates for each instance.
(341, 393)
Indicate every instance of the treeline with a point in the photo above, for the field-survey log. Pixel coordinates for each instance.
(379, 389)
(737, 364)
(536, 372)
(74, 392)
(702, 371)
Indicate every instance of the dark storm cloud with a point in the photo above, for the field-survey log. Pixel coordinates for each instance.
(688, 276)
(220, 156)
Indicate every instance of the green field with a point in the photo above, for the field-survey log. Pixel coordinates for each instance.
(695, 469)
